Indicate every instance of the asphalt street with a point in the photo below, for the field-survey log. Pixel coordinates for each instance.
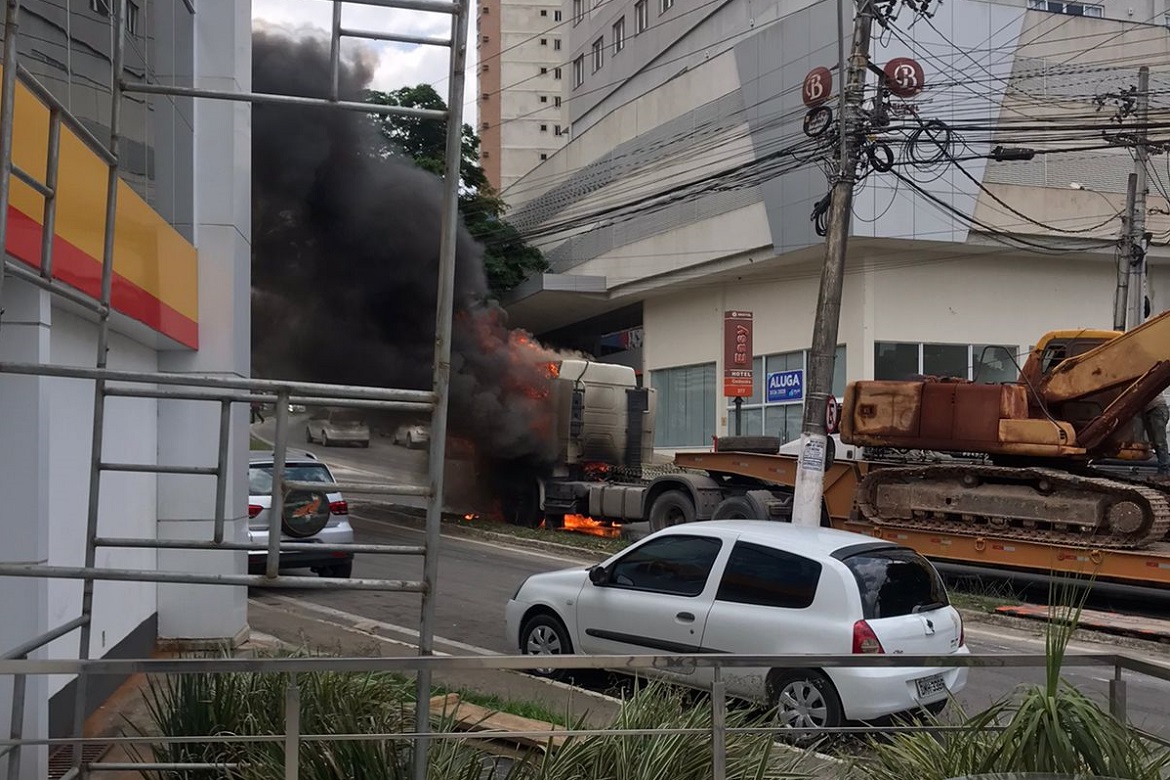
(477, 577)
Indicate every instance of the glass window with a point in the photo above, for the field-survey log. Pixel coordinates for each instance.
(260, 476)
(895, 582)
(556, 16)
(598, 54)
(751, 423)
(619, 35)
(672, 564)
(556, 44)
(769, 578)
(686, 405)
(895, 361)
(839, 376)
(641, 16)
(666, 5)
(783, 421)
(946, 360)
(994, 364)
(578, 11)
(579, 70)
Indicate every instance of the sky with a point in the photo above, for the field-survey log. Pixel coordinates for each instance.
(399, 64)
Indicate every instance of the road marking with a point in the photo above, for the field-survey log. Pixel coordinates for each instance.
(491, 545)
(366, 624)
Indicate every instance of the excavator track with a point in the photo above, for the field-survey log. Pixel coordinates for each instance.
(1036, 504)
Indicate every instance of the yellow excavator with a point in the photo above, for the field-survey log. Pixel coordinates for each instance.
(1024, 453)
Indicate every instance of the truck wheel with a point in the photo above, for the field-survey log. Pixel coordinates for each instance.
(671, 508)
(554, 521)
(735, 508)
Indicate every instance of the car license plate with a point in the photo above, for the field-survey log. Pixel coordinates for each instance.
(929, 687)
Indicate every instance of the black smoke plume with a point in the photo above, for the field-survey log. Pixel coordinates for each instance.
(345, 263)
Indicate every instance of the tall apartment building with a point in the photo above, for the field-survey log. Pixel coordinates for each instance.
(522, 70)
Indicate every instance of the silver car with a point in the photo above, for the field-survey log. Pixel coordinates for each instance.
(306, 517)
(338, 426)
(412, 436)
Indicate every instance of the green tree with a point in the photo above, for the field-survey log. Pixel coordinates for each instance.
(508, 259)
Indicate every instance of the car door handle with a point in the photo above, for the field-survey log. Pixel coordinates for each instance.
(686, 617)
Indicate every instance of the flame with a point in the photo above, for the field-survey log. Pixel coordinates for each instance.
(470, 516)
(597, 471)
(587, 525)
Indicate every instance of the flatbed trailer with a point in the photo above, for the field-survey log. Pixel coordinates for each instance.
(1148, 567)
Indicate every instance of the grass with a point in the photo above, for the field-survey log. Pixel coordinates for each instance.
(259, 444)
(247, 703)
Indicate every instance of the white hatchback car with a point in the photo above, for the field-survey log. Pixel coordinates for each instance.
(759, 588)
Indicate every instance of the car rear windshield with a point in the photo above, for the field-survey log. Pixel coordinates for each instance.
(896, 582)
(260, 477)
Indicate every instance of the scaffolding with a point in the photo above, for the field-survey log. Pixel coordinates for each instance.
(220, 390)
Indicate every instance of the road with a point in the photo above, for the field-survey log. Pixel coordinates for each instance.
(477, 577)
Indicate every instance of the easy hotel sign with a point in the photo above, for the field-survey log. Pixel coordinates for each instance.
(737, 354)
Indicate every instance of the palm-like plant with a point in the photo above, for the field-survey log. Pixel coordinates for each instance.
(1050, 728)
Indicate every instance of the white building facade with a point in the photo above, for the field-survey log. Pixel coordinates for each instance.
(688, 184)
(181, 303)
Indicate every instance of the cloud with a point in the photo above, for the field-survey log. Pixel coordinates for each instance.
(397, 64)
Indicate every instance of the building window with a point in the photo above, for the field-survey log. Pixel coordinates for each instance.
(686, 405)
(485, 155)
(556, 44)
(131, 17)
(619, 35)
(598, 54)
(579, 71)
(543, 71)
(557, 102)
(484, 68)
(544, 98)
(485, 10)
(982, 363)
(486, 39)
(486, 126)
(776, 405)
(486, 95)
(578, 11)
(100, 7)
(556, 129)
(641, 16)
(544, 128)
(665, 5)
(556, 73)
(544, 41)
(544, 12)
(556, 16)
(1070, 9)
(543, 156)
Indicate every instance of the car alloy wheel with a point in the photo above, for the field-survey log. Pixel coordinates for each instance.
(544, 635)
(804, 700)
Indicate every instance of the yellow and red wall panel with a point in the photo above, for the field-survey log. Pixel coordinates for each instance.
(156, 271)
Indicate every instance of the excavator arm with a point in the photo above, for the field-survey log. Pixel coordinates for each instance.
(1116, 365)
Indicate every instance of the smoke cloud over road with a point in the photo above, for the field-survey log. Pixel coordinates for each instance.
(345, 262)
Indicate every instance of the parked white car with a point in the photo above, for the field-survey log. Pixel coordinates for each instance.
(412, 435)
(338, 426)
(759, 588)
(326, 525)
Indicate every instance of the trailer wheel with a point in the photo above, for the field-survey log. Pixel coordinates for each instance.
(671, 508)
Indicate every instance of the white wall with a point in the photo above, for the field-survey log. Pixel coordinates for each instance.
(127, 504)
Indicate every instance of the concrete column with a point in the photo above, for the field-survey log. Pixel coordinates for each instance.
(221, 182)
(24, 483)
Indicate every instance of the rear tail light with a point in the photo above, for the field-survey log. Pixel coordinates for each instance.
(253, 510)
(865, 641)
(338, 508)
(962, 632)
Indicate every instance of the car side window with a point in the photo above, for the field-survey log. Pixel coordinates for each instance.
(678, 565)
(769, 578)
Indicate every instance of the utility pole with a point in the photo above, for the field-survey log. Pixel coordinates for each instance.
(1136, 218)
(810, 473)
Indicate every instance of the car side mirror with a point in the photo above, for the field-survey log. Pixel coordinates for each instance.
(598, 575)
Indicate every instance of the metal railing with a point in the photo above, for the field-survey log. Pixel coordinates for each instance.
(214, 389)
(292, 738)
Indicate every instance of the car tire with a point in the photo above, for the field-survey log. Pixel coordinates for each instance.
(804, 698)
(545, 634)
(324, 439)
(673, 507)
(410, 441)
(338, 571)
